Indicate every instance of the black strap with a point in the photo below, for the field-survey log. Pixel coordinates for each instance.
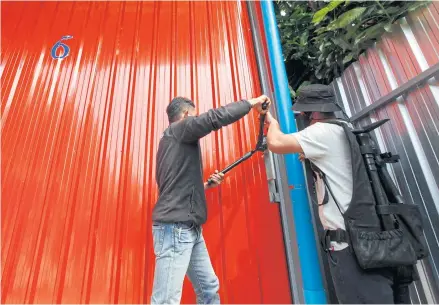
(323, 177)
(339, 236)
(395, 209)
(317, 171)
(332, 194)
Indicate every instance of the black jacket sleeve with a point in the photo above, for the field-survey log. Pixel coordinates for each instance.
(191, 129)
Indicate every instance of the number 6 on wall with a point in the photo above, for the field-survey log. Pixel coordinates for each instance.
(66, 49)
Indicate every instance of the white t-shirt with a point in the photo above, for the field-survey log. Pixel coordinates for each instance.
(327, 147)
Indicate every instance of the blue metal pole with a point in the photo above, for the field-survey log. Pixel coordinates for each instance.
(314, 292)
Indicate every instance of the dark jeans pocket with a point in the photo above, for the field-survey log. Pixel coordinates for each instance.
(336, 269)
(332, 258)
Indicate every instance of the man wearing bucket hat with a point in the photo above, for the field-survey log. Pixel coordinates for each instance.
(326, 146)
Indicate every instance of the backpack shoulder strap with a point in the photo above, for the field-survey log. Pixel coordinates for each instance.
(327, 187)
(317, 171)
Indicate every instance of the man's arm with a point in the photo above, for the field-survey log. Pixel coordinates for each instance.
(192, 129)
(278, 142)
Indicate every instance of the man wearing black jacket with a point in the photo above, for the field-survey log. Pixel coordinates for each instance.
(181, 208)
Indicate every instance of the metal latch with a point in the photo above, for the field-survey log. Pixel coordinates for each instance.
(273, 188)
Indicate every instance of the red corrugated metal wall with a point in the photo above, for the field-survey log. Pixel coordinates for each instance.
(79, 137)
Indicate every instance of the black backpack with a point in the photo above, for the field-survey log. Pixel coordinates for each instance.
(381, 229)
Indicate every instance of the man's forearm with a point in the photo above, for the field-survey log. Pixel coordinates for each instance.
(273, 134)
(195, 128)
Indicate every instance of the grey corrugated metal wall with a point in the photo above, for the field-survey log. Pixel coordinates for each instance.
(413, 132)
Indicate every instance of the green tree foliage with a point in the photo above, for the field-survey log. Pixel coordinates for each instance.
(321, 38)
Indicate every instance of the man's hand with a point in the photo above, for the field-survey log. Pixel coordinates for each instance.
(269, 119)
(258, 101)
(217, 178)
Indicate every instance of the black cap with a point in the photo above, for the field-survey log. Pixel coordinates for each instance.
(316, 98)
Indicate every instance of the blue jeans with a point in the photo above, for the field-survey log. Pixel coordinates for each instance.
(180, 250)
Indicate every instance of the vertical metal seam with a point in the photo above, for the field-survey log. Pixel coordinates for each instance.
(264, 81)
(312, 278)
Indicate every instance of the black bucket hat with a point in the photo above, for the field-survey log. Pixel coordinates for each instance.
(316, 98)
